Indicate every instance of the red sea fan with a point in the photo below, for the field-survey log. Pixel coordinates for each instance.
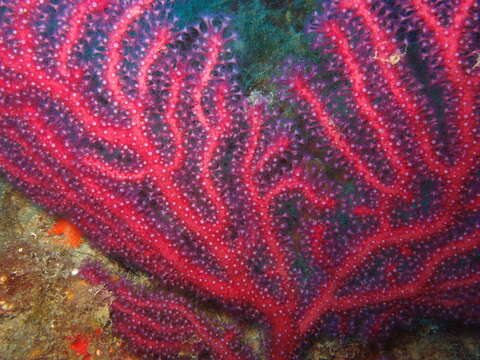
(139, 135)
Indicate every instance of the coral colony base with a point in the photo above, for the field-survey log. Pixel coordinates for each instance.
(139, 135)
